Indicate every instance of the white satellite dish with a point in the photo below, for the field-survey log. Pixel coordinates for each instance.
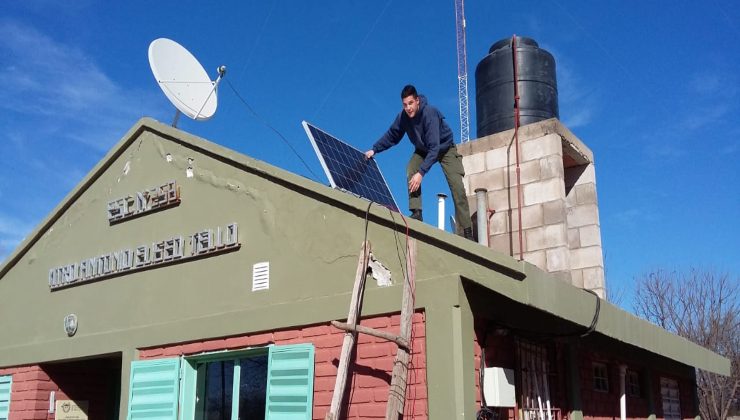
(183, 80)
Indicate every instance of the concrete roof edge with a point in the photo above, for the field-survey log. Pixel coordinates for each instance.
(578, 306)
(538, 129)
(570, 139)
(676, 347)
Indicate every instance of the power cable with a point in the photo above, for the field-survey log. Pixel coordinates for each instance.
(268, 125)
(367, 216)
(542, 335)
(401, 261)
(595, 320)
(485, 413)
(410, 371)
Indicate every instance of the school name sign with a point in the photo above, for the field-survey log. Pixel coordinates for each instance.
(172, 250)
(142, 202)
(129, 260)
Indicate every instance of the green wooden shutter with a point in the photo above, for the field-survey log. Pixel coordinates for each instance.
(154, 389)
(290, 383)
(5, 382)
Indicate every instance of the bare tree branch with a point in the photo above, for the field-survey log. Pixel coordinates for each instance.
(702, 306)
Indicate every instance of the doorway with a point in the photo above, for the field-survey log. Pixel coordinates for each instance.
(92, 385)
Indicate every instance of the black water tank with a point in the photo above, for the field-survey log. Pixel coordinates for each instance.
(494, 86)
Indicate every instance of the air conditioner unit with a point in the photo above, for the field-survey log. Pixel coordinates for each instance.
(498, 387)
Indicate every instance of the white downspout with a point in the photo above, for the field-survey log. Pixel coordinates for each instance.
(547, 390)
(622, 393)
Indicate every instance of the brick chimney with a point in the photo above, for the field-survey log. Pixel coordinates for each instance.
(560, 215)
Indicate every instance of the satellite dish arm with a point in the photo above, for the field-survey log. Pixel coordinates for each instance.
(221, 73)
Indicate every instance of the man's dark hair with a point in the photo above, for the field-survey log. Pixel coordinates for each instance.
(409, 90)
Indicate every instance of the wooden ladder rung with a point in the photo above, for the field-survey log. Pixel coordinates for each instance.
(400, 341)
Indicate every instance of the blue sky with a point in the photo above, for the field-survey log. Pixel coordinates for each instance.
(652, 87)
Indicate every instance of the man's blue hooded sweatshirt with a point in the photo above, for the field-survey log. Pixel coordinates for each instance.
(428, 131)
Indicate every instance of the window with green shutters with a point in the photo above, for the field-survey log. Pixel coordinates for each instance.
(5, 384)
(268, 383)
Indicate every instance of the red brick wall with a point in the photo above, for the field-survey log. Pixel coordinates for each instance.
(369, 376)
(605, 405)
(686, 391)
(29, 392)
(501, 352)
(596, 405)
(599, 405)
(89, 380)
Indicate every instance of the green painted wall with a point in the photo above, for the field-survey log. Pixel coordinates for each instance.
(312, 247)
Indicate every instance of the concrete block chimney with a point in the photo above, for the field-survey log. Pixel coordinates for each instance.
(560, 215)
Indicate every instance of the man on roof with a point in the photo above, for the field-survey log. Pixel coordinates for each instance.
(433, 142)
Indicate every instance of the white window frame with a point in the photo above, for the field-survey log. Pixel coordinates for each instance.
(600, 374)
(193, 374)
(634, 388)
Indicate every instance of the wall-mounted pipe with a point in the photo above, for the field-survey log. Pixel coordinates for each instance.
(516, 142)
(481, 195)
(441, 211)
(622, 393)
(52, 401)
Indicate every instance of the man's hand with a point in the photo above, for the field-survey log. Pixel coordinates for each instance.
(415, 182)
(369, 154)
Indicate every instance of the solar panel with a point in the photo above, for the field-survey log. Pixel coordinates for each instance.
(347, 168)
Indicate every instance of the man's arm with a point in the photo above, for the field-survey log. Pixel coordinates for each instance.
(389, 139)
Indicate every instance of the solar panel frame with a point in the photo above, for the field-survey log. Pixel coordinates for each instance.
(341, 154)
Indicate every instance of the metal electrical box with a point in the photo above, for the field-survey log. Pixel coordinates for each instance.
(498, 387)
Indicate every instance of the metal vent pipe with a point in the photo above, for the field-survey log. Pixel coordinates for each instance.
(441, 210)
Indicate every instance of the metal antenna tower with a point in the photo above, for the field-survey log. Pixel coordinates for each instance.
(462, 71)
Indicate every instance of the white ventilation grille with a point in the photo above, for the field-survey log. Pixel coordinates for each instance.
(261, 276)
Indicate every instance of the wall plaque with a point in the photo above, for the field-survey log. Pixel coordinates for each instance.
(70, 410)
(70, 324)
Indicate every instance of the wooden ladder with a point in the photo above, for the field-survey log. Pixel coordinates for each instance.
(397, 393)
